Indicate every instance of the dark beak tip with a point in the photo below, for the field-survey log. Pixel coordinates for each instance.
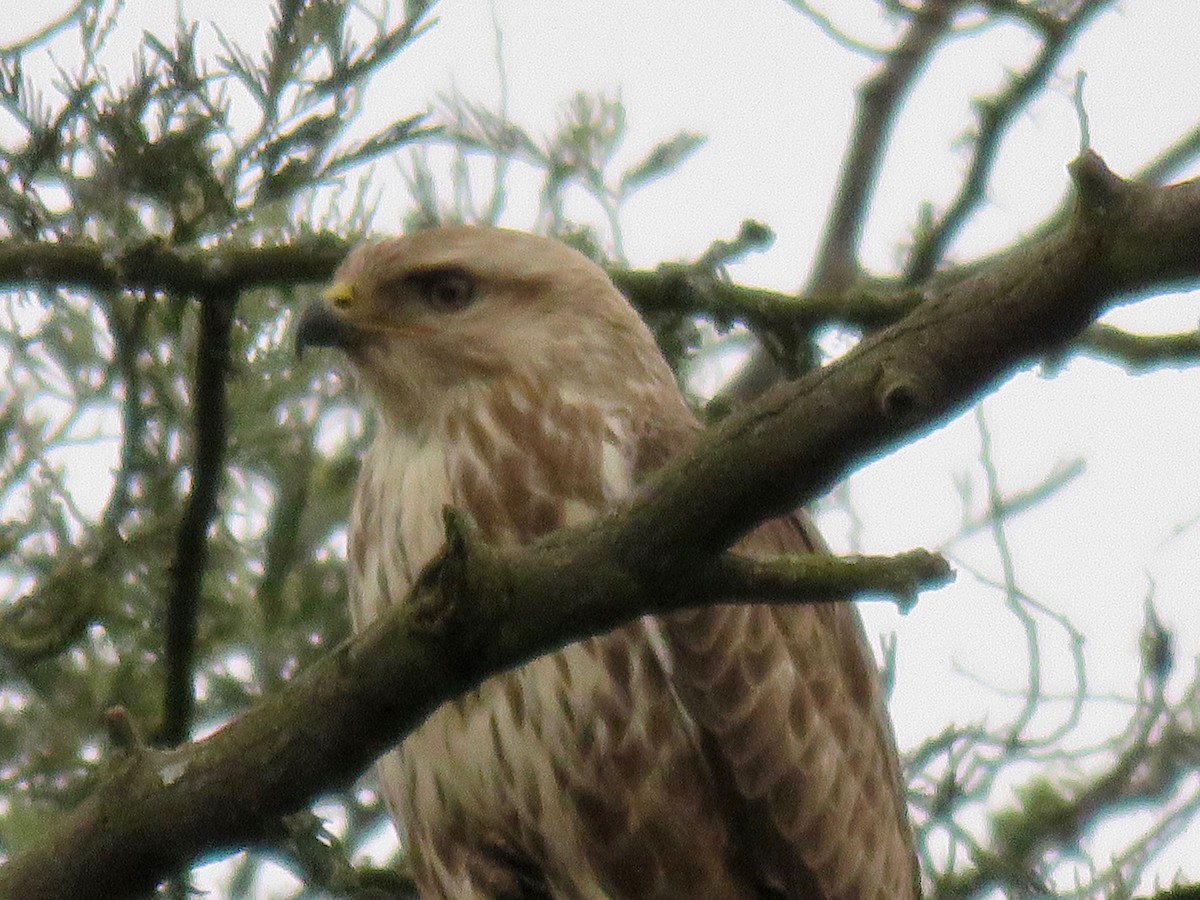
(319, 326)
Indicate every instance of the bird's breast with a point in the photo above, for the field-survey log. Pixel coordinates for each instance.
(396, 524)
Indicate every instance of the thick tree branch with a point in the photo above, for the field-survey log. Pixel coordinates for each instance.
(1122, 237)
(474, 612)
(478, 610)
(156, 266)
(837, 269)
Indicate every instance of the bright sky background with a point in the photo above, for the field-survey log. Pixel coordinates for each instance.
(775, 98)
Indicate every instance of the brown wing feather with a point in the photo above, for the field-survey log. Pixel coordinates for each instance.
(794, 723)
(791, 698)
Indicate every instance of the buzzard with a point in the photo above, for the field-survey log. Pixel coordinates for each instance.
(739, 751)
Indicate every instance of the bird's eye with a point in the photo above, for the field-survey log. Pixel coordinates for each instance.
(446, 290)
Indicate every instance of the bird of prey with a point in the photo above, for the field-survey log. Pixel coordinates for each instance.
(738, 751)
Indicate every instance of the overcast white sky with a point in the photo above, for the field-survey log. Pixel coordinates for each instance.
(775, 98)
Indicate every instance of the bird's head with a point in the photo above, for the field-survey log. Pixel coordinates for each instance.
(429, 318)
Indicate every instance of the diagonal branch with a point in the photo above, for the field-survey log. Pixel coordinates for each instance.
(479, 610)
(1181, 153)
(996, 114)
(880, 100)
(47, 31)
(827, 27)
(475, 611)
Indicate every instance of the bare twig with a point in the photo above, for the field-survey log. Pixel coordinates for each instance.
(996, 115)
(1182, 153)
(836, 267)
(827, 27)
(1139, 353)
(880, 99)
(47, 31)
(1081, 114)
(826, 578)
(1017, 502)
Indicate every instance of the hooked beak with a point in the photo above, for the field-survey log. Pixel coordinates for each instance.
(322, 324)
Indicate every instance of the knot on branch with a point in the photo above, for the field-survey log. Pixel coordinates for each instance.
(752, 236)
(901, 395)
(123, 732)
(145, 256)
(1099, 190)
(442, 585)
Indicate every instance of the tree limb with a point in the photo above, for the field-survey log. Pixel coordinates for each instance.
(1138, 353)
(210, 424)
(880, 99)
(475, 611)
(219, 273)
(996, 114)
(156, 266)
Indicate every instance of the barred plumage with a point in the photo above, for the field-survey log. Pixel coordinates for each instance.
(736, 752)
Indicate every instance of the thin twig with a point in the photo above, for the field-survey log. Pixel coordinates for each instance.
(996, 115)
(1020, 501)
(880, 100)
(1013, 593)
(1182, 153)
(47, 31)
(1139, 353)
(827, 27)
